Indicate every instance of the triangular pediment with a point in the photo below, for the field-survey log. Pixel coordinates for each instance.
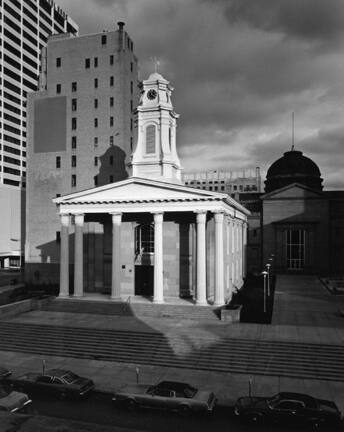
(293, 191)
(136, 189)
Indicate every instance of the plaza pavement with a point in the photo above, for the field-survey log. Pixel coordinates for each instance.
(304, 311)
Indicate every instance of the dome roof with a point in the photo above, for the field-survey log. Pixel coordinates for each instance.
(155, 76)
(293, 167)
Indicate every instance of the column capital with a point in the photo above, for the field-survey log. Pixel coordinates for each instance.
(65, 219)
(201, 216)
(116, 218)
(158, 217)
(219, 216)
(79, 219)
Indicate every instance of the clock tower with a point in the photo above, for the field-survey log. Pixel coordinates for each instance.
(155, 155)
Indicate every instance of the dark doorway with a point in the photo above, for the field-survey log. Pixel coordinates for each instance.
(144, 280)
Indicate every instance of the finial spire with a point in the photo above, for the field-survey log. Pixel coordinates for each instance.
(292, 137)
(156, 63)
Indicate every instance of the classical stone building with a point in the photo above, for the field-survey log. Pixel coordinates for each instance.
(80, 134)
(158, 237)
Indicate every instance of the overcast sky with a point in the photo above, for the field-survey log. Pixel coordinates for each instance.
(239, 69)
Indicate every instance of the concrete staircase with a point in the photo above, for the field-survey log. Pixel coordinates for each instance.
(185, 311)
(312, 361)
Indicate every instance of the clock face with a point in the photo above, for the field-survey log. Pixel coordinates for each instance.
(151, 94)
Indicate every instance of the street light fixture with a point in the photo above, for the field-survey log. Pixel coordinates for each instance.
(268, 270)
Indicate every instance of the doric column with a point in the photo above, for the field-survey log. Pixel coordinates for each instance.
(219, 298)
(158, 259)
(79, 256)
(64, 256)
(116, 255)
(201, 292)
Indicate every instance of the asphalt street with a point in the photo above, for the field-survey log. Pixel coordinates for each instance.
(99, 409)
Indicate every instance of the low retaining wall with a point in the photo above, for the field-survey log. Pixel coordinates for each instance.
(22, 306)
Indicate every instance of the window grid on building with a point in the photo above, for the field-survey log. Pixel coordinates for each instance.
(295, 243)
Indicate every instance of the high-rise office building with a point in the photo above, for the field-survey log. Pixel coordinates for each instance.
(24, 29)
(81, 133)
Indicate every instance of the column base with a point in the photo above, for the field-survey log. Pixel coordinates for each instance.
(158, 301)
(201, 303)
(219, 303)
(116, 298)
(78, 295)
(63, 296)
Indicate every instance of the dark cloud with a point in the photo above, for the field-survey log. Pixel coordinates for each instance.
(310, 19)
(239, 68)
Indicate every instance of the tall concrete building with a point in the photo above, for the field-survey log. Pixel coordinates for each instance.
(231, 182)
(80, 135)
(24, 26)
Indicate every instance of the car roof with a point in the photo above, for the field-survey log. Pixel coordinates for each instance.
(308, 400)
(173, 385)
(56, 372)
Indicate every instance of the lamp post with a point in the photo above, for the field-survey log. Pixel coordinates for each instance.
(264, 273)
(268, 270)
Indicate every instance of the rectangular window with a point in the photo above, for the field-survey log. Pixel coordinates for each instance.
(95, 62)
(58, 88)
(111, 101)
(73, 180)
(111, 178)
(295, 242)
(58, 161)
(74, 104)
(131, 87)
(111, 160)
(74, 86)
(111, 60)
(111, 140)
(150, 139)
(73, 142)
(95, 122)
(131, 124)
(131, 105)
(87, 63)
(112, 80)
(95, 141)
(95, 82)
(73, 161)
(58, 62)
(95, 161)
(111, 121)
(96, 181)
(58, 236)
(95, 103)
(131, 66)
(131, 143)
(74, 123)
(103, 39)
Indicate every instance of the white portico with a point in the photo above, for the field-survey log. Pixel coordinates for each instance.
(190, 241)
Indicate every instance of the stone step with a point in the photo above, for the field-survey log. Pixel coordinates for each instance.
(129, 309)
(153, 348)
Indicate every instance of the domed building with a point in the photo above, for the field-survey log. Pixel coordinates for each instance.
(293, 167)
(300, 224)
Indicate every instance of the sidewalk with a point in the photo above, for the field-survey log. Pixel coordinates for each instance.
(301, 296)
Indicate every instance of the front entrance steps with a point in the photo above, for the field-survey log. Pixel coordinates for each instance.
(134, 306)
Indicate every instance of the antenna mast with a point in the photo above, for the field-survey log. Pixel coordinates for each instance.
(292, 136)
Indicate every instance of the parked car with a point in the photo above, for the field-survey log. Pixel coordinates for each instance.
(169, 395)
(56, 382)
(288, 407)
(4, 373)
(12, 401)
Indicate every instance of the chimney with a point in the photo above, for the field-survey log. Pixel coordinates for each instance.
(120, 24)
(120, 35)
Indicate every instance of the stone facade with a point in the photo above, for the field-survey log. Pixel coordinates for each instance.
(89, 87)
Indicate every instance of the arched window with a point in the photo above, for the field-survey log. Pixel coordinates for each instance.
(150, 139)
(144, 239)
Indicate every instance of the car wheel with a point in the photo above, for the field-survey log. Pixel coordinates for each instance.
(184, 410)
(130, 404)
(254, 418)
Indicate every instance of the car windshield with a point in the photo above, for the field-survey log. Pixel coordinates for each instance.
(273, 401)
(70, 377)
(190, 391)
(3, 392)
